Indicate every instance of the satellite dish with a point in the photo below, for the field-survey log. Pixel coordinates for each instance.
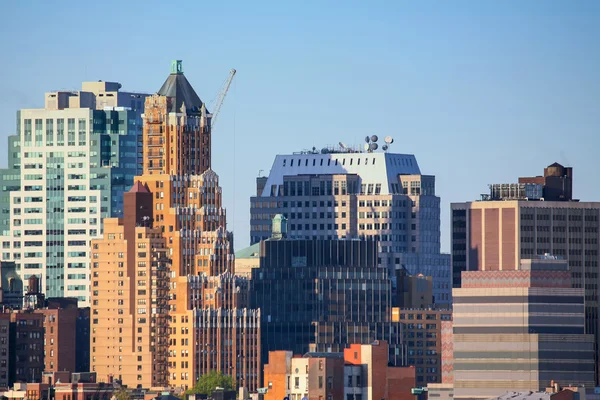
(324, 150)
(389, 139)
(342, 145)
(367, 147)
(385, 147)
(374, 138)
(367, 139)
(373, 146)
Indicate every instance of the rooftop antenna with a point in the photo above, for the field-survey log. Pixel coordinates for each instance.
(260, 171)
(388, 141)
(371, 143)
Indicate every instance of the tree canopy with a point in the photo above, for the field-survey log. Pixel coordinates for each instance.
(122, 394)
(209, 382)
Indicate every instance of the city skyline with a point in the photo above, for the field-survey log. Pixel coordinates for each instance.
(456, 81)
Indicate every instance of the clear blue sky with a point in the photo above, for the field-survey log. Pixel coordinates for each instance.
(480, 91)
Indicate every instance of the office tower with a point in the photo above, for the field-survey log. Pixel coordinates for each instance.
(69, 165)
(347, 193)
(321, 295)
(130, 286)
(517, 330)
(206, 307)
(497, 235)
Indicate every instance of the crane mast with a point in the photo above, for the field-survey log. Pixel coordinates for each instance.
(221, 97)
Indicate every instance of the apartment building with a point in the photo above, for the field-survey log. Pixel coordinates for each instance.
(69, 165)
(21, 347)
(346, 193)
(60, 334)
(421, 333)
(130, 283)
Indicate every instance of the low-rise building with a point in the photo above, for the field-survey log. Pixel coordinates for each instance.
(361, 372)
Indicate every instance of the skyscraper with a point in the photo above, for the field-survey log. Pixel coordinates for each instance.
(347, 193)
(68, 167)
(497, 234)
(210, 327)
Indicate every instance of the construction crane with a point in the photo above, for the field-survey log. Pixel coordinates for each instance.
(221, 97)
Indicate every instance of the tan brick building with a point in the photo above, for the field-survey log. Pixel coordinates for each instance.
(185, 224)
(129, 297)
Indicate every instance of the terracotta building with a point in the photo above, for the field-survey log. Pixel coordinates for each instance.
(184, 214)
(361, 372)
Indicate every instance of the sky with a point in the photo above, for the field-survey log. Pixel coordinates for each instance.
(480, 91)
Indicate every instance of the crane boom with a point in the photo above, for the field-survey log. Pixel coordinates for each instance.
(221, 97)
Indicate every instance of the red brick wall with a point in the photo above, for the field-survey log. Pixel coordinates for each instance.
(509, 245)
(492, 239)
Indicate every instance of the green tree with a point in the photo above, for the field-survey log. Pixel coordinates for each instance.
(209, 382)
(122, 394)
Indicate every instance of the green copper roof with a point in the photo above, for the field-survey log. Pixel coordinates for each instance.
(249, 252)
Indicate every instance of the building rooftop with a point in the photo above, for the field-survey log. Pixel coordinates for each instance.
(178, 87)
(249, 252)
(376, 168)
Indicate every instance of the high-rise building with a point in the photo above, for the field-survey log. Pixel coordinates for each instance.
(518, 330)
(69, 165)
(322, 295)
(497, 235)
(130, 285)
(187, 227)
(348, 193)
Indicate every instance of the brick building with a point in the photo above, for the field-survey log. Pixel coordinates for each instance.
(60, 334)
(497, 234)
(422, 335)
(361, 372)
(182, 233)
(21, 347)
